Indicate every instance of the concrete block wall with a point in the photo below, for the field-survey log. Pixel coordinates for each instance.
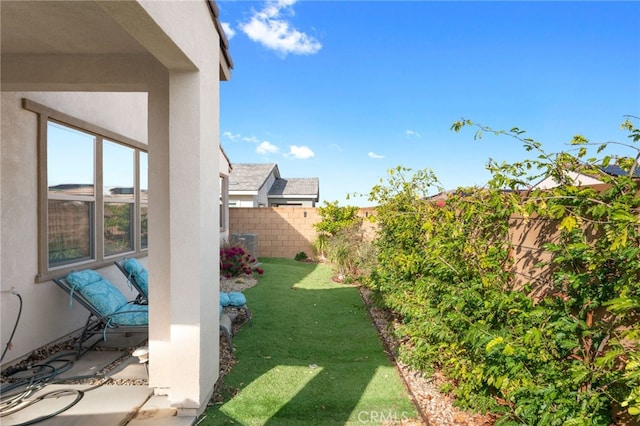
(528, 236)
(286, 231)
(280, 231)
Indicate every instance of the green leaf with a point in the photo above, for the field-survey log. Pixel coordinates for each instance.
(493, 343)
(508, 350)
(568, 223)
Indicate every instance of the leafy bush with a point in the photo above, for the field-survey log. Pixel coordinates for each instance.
(301, 256)
(568, 356)
(340, 238)
(336, 218)
(236, 260)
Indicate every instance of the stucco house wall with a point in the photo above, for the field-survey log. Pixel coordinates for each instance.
(278, 202)
(243, 201)
(263, 195)
(224, 165)
(173, 55)
(46, 314)
(579, 179)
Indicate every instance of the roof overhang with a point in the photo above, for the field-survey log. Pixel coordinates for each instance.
(31, 30)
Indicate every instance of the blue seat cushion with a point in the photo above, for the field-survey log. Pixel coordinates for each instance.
(139, 274)
(237, 299)
(131, 314)
(224, 299)
(98, 291)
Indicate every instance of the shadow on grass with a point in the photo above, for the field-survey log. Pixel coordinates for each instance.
(311, 357)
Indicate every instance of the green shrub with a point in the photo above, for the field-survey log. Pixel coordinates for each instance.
(301, 256)
(445, 268)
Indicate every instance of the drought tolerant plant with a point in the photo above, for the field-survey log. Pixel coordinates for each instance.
(568, 355)
(235, 260)
(340, 238)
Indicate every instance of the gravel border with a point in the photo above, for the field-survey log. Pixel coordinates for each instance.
(436, 408)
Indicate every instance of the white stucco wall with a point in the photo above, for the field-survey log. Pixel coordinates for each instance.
(224, 166)
(263, 193)
(46, 314)
(577, 179)
(243, 200)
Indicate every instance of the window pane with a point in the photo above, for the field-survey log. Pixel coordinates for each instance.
(69, 231)
(118, 227)
(117, 170)
(70, 160)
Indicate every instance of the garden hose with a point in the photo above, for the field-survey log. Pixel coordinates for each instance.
(15, 326)
(42, 374)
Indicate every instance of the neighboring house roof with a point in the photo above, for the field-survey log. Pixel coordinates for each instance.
(615, 170)
(251, 177)
(296, 187)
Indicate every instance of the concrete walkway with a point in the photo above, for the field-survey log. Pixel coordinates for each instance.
(124, 400)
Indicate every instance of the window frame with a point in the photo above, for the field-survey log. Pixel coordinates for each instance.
(44, 115)
(224, 201)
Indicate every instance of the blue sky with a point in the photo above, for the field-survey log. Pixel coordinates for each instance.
(345, 90)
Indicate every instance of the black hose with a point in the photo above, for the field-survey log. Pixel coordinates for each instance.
(46, 373)
(15, 326)
(38, 380)
(57, 393)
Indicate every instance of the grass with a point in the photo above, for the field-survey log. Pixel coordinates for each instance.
(312, 356)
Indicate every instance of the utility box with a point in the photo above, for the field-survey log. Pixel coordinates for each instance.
(248, 241)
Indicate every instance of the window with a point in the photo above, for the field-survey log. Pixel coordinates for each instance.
(224, 201)
(92, 194)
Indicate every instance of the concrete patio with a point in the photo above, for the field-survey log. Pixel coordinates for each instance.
(125, 399)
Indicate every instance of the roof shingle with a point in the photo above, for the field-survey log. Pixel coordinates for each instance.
(250, 177)
(295, 186)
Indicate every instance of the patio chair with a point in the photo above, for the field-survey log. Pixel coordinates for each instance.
(137, 277)
(109, 310)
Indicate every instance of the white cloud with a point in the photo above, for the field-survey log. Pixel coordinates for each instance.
(251, 139)
(412, 133)
(300, 152)
(266, 148)
(374, 155)
(228, 31)
(231, 136)
(268, 28)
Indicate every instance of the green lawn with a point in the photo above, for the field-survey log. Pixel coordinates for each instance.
(312, 356)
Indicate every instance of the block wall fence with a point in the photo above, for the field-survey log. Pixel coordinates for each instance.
(286, 231)
(283, 231)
